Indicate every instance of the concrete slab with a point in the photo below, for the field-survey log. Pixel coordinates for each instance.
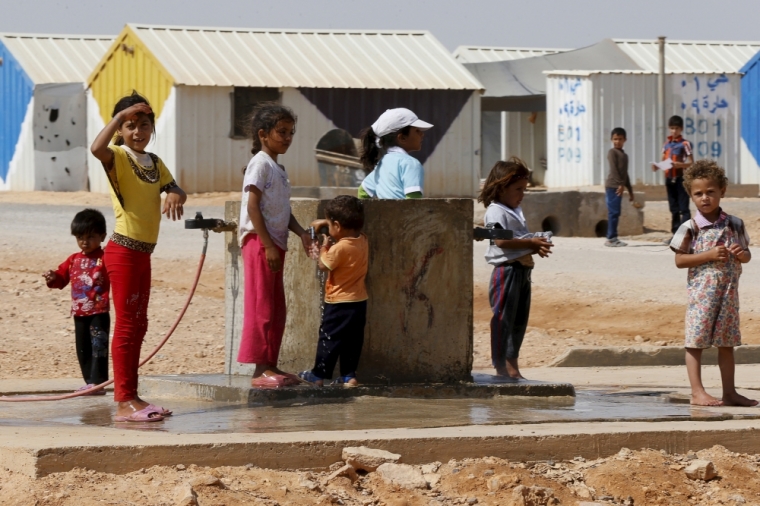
(40, 386)
(42, 451)
(41, 438)
(226, 388)
(620, 356)
(661, 377)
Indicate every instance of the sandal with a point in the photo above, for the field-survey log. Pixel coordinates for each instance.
(344, 380)
(312, 378)
(144, 415)
(163, 411)
(273, 381)
(292, 379)
(90, 386)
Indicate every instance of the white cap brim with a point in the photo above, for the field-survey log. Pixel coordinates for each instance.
(422, 125)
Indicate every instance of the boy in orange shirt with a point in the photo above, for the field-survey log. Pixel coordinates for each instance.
(344, 255)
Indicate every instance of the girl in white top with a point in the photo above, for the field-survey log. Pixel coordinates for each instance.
(265, 220)
(396, 174)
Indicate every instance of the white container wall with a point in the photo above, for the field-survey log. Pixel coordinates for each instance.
(510, 133)
(595, 103)
(207, 158)
(569, 131)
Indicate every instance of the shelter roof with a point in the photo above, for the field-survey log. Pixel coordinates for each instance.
(480, 54)
(690, 55)
(378, 59)
(525, 77)
(49, 59)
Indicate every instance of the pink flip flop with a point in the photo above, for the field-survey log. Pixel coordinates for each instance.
(162, 410)
(273, 381)
(144, 415)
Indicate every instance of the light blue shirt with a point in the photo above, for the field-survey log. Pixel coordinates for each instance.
(395, 175)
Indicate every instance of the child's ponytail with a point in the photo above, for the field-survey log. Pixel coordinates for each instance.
(372, 144)
(370, 149)
(502, 175)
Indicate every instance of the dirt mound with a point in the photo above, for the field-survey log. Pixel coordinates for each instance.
(643, 477)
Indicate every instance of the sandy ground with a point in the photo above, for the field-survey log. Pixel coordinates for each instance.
(644, 477)
(584, 294)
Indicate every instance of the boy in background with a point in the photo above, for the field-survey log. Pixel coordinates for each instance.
(678, 150)
(617, 182)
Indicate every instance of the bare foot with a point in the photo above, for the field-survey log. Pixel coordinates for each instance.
(738, 400)
(352, 382)
(507, 372)
(705, 399)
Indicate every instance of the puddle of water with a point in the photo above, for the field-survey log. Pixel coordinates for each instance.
(362, 413)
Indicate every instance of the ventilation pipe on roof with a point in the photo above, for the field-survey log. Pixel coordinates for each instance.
(663, 130)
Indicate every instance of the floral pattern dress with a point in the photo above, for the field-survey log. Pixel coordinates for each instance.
(712, 316)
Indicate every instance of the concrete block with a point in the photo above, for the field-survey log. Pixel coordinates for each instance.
(322, 192)
(657, 192)
(574, 213)
(618, 356)
(420, 293)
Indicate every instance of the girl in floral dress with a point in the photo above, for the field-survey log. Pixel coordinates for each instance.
(712, 245)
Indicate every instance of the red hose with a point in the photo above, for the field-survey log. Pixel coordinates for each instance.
(142, 363)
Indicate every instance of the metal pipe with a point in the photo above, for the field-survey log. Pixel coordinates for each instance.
(663, 126)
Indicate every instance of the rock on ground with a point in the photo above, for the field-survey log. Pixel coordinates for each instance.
(402, 475)
(701, 470)
(533, 496)
(368, 459)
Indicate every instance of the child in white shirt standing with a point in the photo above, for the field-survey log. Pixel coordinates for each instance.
(509, 291)
(265, 220)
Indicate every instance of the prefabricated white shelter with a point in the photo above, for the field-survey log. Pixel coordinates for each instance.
(43, 143)
(629, 100)
(203, 82)
(584, 106)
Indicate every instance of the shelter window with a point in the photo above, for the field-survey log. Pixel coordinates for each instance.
(243, 101)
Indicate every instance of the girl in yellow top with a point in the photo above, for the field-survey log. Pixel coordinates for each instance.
(137, 180)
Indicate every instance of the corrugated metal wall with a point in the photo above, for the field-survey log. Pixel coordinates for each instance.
(208, 159)
(750, 142)
(97, 180)
(569, 132)
(130, 67)
(592, 106)
(21, 171)
(508, 133)
(16, 91)
(453, 170)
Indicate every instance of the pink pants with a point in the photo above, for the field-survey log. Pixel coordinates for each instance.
(129, 272)
(264, 306)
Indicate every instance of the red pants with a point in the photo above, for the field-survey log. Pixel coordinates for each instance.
(129, 272)
(264, 306)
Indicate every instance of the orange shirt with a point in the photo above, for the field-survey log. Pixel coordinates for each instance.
(347, 261)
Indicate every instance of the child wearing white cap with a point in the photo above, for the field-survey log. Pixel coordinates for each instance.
(396, 174)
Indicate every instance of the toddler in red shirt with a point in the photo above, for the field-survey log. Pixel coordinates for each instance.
(89, 296)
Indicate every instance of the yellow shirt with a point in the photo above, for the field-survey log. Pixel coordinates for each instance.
(136, 198)
(347, 261)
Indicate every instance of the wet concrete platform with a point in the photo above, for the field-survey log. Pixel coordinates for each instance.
(625, 407)
(237, 388)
